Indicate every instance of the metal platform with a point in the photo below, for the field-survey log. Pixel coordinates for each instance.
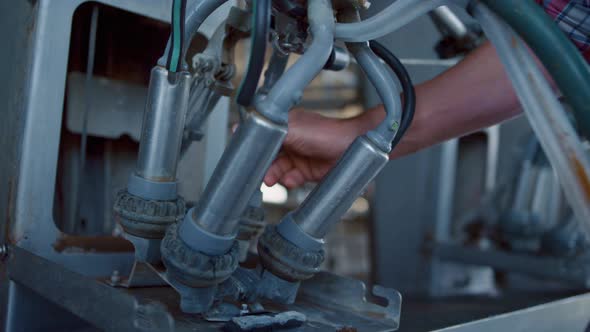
(330, 302)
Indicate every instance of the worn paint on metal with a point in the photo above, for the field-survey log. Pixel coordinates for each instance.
(583, 178)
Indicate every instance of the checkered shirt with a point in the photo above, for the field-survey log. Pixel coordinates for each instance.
(573, 18)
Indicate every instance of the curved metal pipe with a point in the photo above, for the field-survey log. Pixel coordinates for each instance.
(387, 90)
(288, 90)
(257, 141)
(396, 15)
(276, 68)
(359, 165)
(361, 162)
(261, 13)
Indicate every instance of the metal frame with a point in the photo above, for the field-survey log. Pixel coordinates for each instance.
(35, 99)
(30, 222)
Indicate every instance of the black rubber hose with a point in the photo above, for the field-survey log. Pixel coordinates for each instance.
(409, 94)
(260, 26)
(558, 54)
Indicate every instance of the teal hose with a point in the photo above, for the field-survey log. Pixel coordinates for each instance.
(557, 53)
(178, 8)
(176, 42)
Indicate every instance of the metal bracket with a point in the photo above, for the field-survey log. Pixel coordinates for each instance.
(346, 293)
(141, 276)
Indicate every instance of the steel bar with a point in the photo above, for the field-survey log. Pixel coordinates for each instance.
(163, 126)
(559, 269)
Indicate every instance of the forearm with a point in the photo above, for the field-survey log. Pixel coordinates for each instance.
(474, 94)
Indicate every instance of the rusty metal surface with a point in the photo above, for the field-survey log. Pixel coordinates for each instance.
(73, 243)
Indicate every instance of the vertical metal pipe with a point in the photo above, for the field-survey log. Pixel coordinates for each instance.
(87, 106)
(361, 162)
(163, 126)
(449, 22)
(238, 174)
(328, 202)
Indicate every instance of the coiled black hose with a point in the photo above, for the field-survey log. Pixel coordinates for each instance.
(261, 13)
(409, 94)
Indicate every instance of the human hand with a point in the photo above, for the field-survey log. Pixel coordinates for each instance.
(313, 145)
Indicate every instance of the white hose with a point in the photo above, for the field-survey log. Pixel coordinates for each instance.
(544, 112)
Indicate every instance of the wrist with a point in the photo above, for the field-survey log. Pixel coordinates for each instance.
(414, 138)
(365, 121)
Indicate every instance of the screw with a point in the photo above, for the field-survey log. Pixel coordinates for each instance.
(115, 277)
(3, 251)
(244, 310)
(366, 4)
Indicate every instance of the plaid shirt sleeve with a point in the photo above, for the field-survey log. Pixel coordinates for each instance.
(573, 18)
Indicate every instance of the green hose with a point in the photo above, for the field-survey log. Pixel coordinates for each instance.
(176, 41)
(174, 62)
(559, 55)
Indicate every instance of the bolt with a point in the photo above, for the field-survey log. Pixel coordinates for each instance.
(244, 310)
(3, 251)
(115, 277)
(365, 4)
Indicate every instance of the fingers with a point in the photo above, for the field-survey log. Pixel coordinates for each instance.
(293, 171)
(271, 178)
(293, 179)
(304, 172)
(280, 166)
(304, 166)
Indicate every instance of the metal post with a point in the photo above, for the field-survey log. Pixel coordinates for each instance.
(162, 131)
(335, 194)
